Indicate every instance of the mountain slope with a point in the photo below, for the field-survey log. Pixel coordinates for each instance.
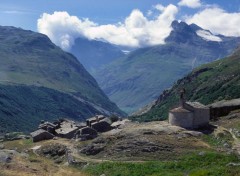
(138, 78)
(23, 107)
(30, 60)
(94, 54)
(208, 83)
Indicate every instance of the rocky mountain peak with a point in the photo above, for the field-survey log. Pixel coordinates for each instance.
(193, 34)
(182, 33)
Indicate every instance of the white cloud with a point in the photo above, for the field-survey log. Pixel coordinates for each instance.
(159, 7)
(62, 28)
(190, 3)
(136, 31)
(217, 21)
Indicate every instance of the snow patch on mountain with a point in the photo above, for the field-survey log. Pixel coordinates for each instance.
(206, 35)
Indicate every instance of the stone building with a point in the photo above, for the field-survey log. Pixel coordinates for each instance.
(40, 135)
(99, 123)
(102, 126)
(86, 133)
(191, 115)
(47, 126)
(94, 119)
(67, 129)
(223, 108)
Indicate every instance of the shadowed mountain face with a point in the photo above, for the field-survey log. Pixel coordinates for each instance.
(208, 83)
(137, 79)
(94, 54)
(30, 62)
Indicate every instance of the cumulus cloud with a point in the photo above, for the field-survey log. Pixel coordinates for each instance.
(217, 21)
(190, 3)
(62, 28)
(136, 31)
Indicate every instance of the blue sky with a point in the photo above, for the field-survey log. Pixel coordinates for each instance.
(116, 21)
(24, 13)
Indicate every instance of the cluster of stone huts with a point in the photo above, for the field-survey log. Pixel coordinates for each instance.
(69, 129)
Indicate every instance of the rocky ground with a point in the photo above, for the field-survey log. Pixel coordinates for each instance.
(130, 142)
(144, 141)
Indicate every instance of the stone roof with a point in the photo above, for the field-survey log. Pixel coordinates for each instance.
(224, 103)
(66, 127)
(65, 130)
(47, 124)
(179, 109)
(196, 105)
(100, 117)
(102, 126)
(39, 132)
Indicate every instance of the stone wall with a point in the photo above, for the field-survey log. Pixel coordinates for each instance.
(182, 119)
(201, 117)
(216, 112)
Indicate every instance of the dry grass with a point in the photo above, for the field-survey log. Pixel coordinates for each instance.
(34, 165)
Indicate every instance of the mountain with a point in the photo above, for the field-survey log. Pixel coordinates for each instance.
(138, 78)
(40, 81)
(219, 80)
(93, 54)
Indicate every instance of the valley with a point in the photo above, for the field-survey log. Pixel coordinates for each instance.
(120, 88)
(39, 81)
(138, 78)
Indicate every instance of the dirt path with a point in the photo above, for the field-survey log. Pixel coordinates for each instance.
(76, 155)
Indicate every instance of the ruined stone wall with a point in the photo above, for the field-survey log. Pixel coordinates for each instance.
(216, 112)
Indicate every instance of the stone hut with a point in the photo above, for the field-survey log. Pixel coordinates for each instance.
(102, 125)
(47, 126)
(191, 115)
(86, 133)
(94, 119)
(67, 130)
(40, 135)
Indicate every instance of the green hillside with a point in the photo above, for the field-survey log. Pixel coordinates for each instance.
(208, 83)
(31, 59)
(23, 107)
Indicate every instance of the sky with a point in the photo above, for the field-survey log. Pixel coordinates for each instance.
(133, 23)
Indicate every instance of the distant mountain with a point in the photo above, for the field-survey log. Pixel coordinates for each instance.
(40, 81)
(93, 54)
(138, 78)
(219, 80)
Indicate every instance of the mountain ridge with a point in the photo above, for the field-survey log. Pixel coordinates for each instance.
(137, 79)
(94, 54)
(30, 60)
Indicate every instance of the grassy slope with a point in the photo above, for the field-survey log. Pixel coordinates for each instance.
(23, 107)
(137, 79)
(29, 60)
(211, 163)
(32, 59)
(211, 82)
